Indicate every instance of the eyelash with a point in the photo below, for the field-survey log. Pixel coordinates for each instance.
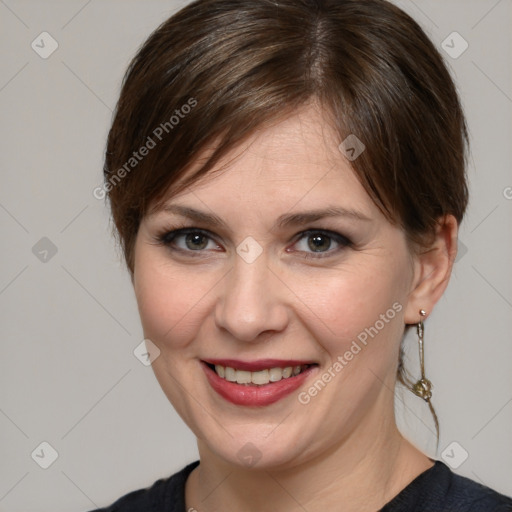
(167, 237)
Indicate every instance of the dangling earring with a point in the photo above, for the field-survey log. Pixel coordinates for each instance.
(422, 388)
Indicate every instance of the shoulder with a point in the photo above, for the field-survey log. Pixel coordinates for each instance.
(440, 490)
(472, 496)
(166, 494)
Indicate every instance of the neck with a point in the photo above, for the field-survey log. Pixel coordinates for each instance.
(363, 472)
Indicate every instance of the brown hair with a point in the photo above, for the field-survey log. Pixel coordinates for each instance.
(238, 64)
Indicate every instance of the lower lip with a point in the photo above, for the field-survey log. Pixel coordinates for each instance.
(241, 394)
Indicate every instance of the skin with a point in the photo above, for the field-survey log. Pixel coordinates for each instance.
(342, 450)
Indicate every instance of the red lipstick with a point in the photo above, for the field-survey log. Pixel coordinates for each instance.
(251, 394)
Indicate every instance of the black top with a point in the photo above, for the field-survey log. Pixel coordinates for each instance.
(437, 489)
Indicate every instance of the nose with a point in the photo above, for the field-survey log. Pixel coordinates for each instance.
(251, 301)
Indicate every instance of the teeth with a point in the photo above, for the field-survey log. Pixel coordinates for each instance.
(230, 374)
(258, 378)
(275, 374)
(261, 377)
(220, 370)
(243, 377)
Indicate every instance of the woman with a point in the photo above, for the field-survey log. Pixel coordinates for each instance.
(285, 220)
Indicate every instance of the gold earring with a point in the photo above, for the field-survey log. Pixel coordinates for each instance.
(422, 388)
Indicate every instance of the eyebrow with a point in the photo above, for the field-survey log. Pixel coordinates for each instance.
(285, 220)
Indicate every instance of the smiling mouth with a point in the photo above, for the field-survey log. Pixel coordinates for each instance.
(257, 378)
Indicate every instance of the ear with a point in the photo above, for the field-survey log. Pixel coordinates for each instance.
(432, 270)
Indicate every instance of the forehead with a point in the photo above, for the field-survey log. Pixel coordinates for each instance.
(294, 160)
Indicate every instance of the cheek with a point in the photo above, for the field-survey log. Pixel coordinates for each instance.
(169, 300)
(362, 305)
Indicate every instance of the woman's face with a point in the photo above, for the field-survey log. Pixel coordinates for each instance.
(271, 285)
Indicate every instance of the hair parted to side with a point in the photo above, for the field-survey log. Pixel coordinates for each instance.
(245, 63)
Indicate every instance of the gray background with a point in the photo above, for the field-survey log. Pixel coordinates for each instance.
(69, 321)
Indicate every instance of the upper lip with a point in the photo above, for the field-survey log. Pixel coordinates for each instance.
(260, 364)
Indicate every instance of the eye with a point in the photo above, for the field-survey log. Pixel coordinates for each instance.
(194, 241)
(187, 240)
(317, 243)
